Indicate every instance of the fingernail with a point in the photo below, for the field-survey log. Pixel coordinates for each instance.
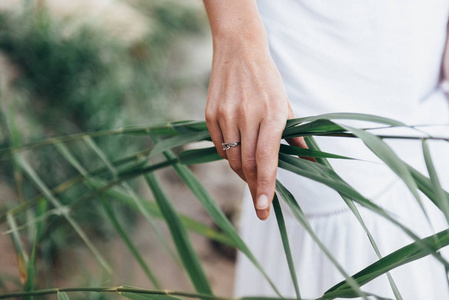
(263, 214)
(262, 202)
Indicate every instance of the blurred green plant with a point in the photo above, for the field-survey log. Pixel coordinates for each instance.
(82, 79)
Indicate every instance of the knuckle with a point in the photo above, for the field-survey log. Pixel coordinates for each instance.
(224, 113)
(276, 121)
(210, 115)
(249, 167)
(235, 164)
(265, 183)
(265, 154)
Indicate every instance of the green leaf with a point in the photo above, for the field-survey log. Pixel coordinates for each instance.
(316, 126)
(398, 258)
(292, 150)
(387, 155)
(312, 144)
(188, 256)
(299, 215)
(425, 185)
(215, 212)
(22, 256)
(62, 296)
(179, 140)
(199, 156)
(328, 177)
(286, 244)
(346, 116)
(440, 196)
(109, 212)
(140, 296)
(57, 204)
(31, 272)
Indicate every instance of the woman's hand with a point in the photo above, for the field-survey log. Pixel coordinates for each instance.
(247, 103)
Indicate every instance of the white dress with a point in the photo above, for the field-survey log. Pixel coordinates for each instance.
(379, 57)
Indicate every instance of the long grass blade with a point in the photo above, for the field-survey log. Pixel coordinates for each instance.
(299, 215)
(346, 116)
(62, 296)
(425, 185)
(65, 152)
(179, 140)
(398, 258)
(436, 185)
(188, 256)
(312, 144)
(284, 236)
(387, 155)
(31, 270)
(189, 223)
(22, 256)
(139, 203)
(330, 178)
(135, 296)
(126, 239)
(215, 212)
(57, 204)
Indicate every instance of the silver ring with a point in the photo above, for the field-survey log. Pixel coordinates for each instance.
(227, 146)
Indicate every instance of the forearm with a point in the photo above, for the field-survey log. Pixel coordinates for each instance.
(233, 21)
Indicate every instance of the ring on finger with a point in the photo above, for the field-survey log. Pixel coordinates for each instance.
(227, 146)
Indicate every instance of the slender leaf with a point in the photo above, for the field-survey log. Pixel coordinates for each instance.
(440, 196)
(387, 155)
(299, 215)
(398, 258)
(286, 244)
(199, 156)
(292, 150)
(179, 140)
(31, 270)
(109, 212)
(311, 143)
(55, 202)
(134, 296)
(346, 116)
(22, 256)
(215, 212)
(140, 205)
(180, 238)
(62, 296)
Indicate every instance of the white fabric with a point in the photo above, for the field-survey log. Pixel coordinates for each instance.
(379, 57)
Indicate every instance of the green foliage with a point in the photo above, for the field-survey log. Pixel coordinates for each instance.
(173, 135)
(77, 79)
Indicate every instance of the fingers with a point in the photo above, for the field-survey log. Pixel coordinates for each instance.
(249, 135)
(268, 145)
(231, 134)
(226, 131)
(216, 136)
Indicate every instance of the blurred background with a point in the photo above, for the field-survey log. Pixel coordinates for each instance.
(80, 66)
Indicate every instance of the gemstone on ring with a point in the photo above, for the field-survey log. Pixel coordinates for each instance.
(227, 146)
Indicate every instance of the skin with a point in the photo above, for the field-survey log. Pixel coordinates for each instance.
(247, 100)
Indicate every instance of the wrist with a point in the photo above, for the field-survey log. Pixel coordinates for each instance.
(236, 39)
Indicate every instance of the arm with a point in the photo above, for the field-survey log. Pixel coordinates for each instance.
(247, 101)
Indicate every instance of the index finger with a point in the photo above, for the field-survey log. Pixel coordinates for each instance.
(267, 151)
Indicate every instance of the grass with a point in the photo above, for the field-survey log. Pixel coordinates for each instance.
(168, 140)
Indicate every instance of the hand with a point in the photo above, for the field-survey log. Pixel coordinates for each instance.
(247, 103)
